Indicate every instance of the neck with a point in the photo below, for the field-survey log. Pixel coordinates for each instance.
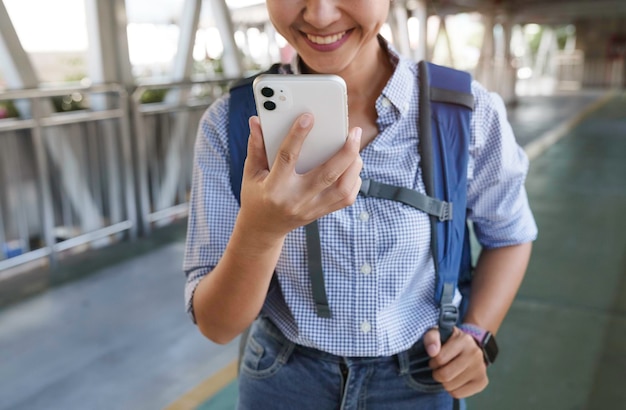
(365, 84)
(366, 81)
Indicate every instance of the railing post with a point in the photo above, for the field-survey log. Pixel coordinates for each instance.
(43, 174)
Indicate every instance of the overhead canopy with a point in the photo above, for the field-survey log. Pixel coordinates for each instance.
(534, 11)
(521, 11)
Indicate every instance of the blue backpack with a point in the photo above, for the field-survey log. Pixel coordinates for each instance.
(446, 99)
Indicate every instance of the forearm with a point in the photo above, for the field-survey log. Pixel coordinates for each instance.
(229, 298)
(273, 203)
(497, 278)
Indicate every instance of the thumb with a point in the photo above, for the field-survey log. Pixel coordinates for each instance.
(256, 159)
(432, 342)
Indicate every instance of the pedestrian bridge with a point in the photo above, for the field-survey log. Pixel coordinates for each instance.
(94, 180)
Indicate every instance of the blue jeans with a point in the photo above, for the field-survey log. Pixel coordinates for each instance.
(276, 374)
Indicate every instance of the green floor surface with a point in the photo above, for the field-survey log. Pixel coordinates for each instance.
(563, 344)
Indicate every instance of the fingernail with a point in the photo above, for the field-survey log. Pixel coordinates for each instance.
(432, 350)
(305, 120)
(357, 134)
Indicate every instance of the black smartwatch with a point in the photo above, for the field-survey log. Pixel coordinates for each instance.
(484, 339)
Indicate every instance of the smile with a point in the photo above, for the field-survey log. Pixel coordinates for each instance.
(324, 40)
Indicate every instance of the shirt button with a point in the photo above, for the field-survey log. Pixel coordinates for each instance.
(386, 102)
(366, 269)
(365, 326)
(364, 216)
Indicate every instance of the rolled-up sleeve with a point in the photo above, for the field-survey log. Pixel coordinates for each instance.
(496, 198)
(212, 206)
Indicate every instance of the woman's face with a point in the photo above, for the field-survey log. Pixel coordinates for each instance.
(331, 36)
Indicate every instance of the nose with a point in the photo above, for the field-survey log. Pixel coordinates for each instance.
(321, 13)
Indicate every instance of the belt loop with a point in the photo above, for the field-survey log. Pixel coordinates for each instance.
(403, 362)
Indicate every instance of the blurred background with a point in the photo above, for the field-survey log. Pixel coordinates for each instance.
(99, 106)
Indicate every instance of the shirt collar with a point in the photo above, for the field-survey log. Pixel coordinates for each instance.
(400, 88)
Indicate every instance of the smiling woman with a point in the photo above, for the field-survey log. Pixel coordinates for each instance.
(340, 288)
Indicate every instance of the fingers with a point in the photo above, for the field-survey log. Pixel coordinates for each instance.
(290, 148)
(432, 342)
(256, 159)
(452, 348)
(341, 184)
(300, 198)
(470, 388)
(330, 172)
(460, 365)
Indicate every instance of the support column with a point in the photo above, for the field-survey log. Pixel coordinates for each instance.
(509, 69)
(273, 51)
(17, 70)
(231, 59)
(183, 65)
(420, 12)
(19, 73)
(443, 29)
(109, 61)
(484, 68)
(543, 70)
(398, 21)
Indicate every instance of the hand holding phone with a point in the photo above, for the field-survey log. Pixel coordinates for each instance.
(280, 99)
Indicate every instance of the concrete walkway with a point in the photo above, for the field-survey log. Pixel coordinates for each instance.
(564, 341)
(118, 337)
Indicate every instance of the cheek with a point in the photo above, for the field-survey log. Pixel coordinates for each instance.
(282, 14)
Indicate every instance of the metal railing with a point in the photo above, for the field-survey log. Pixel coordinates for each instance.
(115, 169)
(165, 137)
(66, 179)
(83, 178)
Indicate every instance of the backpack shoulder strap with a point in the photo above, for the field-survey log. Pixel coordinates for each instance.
(447, 101)
(240, 108)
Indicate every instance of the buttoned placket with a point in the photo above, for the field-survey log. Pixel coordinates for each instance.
(365, 309)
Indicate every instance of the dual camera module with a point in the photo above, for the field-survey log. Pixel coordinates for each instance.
(269, 93)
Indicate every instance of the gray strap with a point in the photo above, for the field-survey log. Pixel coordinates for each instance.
(451, 97)
(432, 206)
(449, 314)
(316, 274)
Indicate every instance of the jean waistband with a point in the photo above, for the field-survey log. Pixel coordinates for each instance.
(402, 359)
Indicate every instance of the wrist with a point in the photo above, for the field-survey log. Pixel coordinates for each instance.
(484, 339)
(246, 247)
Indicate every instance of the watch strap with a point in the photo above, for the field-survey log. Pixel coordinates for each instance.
(476, 332)
(484, 339)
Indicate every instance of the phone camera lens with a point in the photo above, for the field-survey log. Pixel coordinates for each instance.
(269, 105)
(267, 92)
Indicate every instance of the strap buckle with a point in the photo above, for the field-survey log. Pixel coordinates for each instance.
(446, 212)
(448, 317)
(365, 187)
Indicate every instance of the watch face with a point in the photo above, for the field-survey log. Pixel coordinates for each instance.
(490, 348)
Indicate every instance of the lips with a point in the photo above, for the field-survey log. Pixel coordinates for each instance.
(327, 43)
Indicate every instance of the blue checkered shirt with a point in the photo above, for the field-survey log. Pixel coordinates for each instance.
(376, 257)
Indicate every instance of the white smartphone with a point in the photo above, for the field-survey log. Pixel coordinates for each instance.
(280, 99)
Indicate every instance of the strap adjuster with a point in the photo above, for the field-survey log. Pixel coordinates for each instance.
(447, 320)
(365, 187)
(448, 316)
(446, 212)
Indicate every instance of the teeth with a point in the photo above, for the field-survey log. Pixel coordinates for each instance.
(326, 39)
